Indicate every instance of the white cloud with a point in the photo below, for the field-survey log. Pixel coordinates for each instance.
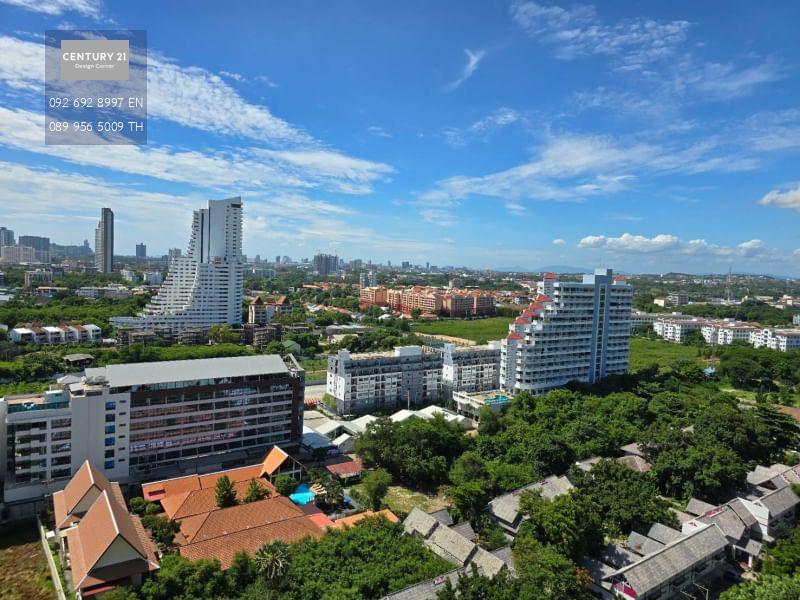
(244, 168)
(497, 119)
(786, 198)
(216, 107)
(378, 131)
(87, 8)
(516, 208)
(559, 242)
(438, 216)
(672, 245)
(572, 167)
(578, 31)
(473, 60)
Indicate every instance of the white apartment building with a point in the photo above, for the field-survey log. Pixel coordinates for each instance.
(147, 420)
(580, 333)
(114, 291)
(776, 339)
(796, 320)
(676, 330)
(470, 368)
(726, 331)
(639, 318)
(49, 335)
(546, 285)
(204, 287)
(409, 376)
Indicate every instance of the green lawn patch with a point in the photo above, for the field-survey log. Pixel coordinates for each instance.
(645, 352)
(478, 330)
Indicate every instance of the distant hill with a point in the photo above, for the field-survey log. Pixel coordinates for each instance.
(549, 269)
(563, 269)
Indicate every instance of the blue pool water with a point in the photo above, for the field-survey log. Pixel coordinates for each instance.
(497, 399)
(302, 495)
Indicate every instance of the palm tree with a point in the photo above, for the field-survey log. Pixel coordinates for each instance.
(272, 560)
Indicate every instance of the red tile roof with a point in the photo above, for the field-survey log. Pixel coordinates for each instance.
(513, 336)
(346, 468)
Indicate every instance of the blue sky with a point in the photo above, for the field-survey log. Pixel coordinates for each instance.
(643, 136)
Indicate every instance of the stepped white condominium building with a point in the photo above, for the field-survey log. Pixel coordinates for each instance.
(409, 376)
(104, 242)
(146, 420)
(580, 333)
(204, 287)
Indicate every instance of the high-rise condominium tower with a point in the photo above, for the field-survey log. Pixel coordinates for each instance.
(104, 242)
(204, 287)
(580, 332)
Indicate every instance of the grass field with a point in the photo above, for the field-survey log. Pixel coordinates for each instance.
(478, 330)
(23, 567)
(645, 352)
(401, 500)
(316, 368)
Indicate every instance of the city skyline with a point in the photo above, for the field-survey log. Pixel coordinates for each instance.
(661, 138)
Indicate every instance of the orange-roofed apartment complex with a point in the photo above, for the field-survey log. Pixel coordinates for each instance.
(103, 545)
(431, 301)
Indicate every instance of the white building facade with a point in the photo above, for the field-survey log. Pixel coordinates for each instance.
(581, 332)
(409, 376)
(143, 420)
(204, 287)
(470, 368)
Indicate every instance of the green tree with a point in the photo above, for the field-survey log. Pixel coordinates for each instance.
(285, 484)
(224, 492)
(570, 523)
(162, 529)
(242, 572)
(635, 510)
(138, 505)
(272, 561)
(766, 587)
(469, 499)
(375, 485)
(784, 557)
(255, 492)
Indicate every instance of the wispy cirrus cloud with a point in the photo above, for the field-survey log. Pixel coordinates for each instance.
(559, 242)
(578, 31)
(246, 168)
(473, 60)
(572, 167)
(494, 121)
(87, 8)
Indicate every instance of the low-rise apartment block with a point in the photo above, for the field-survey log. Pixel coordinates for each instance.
(52, 335)
(470, 368)
(260, 312)
(144, 419)
(406, 376)
(776, 339)
(431, 301)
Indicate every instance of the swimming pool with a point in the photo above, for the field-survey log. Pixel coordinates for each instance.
(497, 399)
(302, 495)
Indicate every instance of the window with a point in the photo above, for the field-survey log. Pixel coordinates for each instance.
(109, 441)
(110, 418)
(109, 453)
(111, 405)
(109, 464)
(110, 429)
